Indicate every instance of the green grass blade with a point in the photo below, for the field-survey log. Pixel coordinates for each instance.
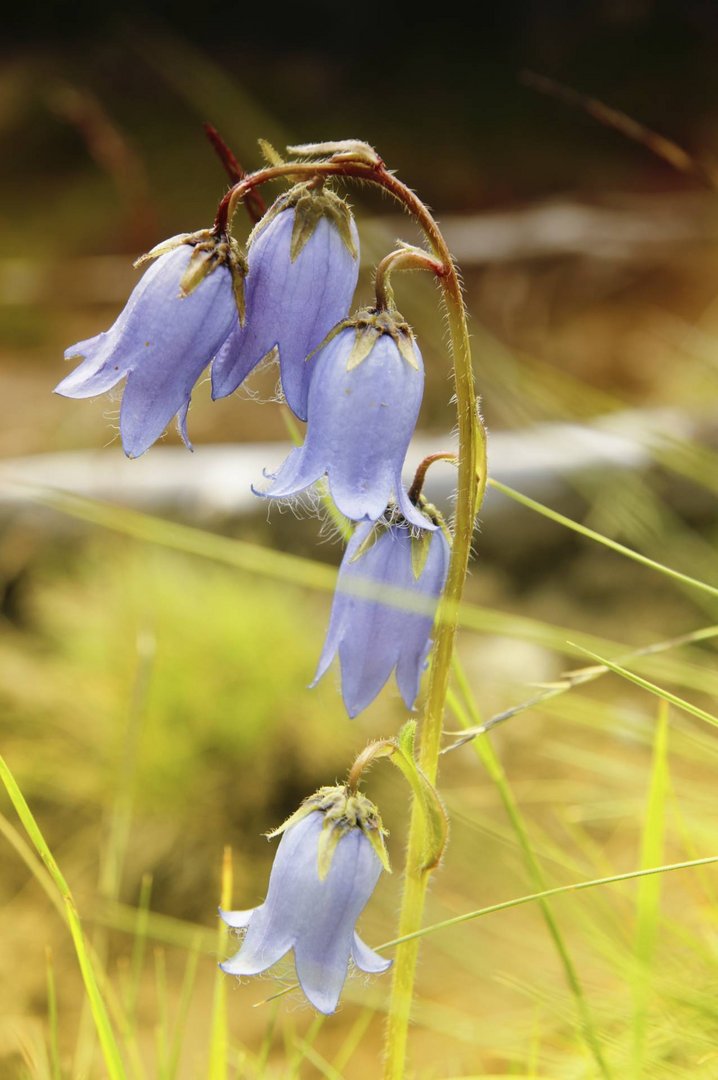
(301, 572)
(590, 534)
(241, 554)
(558, 890)
(303, 1046)
(350, 1045)
(110, 1050)
(267, 1040)
(52, 1026)
(219, 1034)
(322, 1066)
(486, 754)
(180, 1025)
(140, 920)
(666, 695)
(569, 680)
(648, 896)
(162, 1024)
(34, 865)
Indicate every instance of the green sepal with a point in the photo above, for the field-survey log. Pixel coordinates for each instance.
(419, 552)
(272, 157)
(343, 811)
(210, 251)
(364, 341)
(420, 541)
(436, 819)
(311, 202)
(164, 247)
(370, 324)
(329, 837)
(198, 267)
(310, 208)
(368, 542)
(405, 344)
(344, 149)
(308, 212)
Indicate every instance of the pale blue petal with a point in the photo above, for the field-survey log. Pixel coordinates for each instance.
(291, 304)
(262, 948)
(360, 424)
(367, 959)
(416, 642)
(162, 341)
(238, 920)
(372, 638)
(273, 929)
(323, 949)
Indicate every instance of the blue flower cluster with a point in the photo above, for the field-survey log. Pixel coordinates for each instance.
(357, 381)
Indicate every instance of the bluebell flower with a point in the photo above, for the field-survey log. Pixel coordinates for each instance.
(365, 390)
(303, 265)
(177, 318)
(372, 638)
(326, 867)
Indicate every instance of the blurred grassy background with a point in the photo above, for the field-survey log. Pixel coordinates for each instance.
(154, 703)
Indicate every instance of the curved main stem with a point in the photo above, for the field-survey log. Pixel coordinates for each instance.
(470, 491)
(471, 486)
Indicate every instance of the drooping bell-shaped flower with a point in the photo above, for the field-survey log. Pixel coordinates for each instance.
(374, 638)
(303, 265)
(326, 867)
(178, 316)
(365, 390)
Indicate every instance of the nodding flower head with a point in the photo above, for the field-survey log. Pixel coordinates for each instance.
(326, 867)
(374, 638)
(178, 316)
(303, 265)
(365, 390)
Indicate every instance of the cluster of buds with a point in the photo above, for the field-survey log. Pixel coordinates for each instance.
(356, 379)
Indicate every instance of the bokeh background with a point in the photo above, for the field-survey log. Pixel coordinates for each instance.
(154, 702)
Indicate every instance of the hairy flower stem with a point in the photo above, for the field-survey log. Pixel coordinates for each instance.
(420, 475)
(471, 486)
(405, 258)
(470, 490)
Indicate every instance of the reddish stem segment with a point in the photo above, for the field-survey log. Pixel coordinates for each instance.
(256, 206)
(420, 474)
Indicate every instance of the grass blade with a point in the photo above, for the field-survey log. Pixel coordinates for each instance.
(219, 1038)
(649, 888)
(558, 890)
(487, 756)
(183, 1010)
(110, 1050)
(590, 534)
(666, 695)
(53, 1043)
